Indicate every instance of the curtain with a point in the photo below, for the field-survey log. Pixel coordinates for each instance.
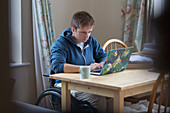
(132, 19)
(44, 35)
(149, 21)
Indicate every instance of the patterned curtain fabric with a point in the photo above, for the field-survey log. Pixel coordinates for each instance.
(46, 31)
(132, 19)
(44, 35)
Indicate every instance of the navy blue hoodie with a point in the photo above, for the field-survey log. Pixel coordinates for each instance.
(65, 50)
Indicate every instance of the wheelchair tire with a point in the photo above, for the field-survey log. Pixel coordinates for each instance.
(49, 94)
(77, 106)
(56, 89)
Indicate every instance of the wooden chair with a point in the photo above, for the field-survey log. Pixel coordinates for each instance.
(113, 44)
(165, 87)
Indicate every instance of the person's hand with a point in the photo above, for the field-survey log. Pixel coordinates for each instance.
(96, 65)
(101, 64)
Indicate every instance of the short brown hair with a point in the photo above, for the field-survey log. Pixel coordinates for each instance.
(82, 18)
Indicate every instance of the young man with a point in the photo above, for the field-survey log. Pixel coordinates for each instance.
(76, 47)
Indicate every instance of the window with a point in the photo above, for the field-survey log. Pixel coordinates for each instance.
(15, 31)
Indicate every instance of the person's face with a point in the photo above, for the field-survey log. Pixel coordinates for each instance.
(81, 34)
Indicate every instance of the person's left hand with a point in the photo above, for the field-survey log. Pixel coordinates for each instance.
(101, 64)
(96, 65)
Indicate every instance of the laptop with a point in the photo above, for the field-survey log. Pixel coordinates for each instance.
(117, 60)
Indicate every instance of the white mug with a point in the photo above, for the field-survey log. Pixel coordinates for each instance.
(84, 72)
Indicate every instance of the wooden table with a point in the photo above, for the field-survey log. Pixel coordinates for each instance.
(116, 85)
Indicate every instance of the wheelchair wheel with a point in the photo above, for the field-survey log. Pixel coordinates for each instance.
(52, 97)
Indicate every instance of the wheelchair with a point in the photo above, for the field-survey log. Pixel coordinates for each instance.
(53, 95)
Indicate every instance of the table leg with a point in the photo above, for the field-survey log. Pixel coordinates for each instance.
(118, 106)
(65, 97)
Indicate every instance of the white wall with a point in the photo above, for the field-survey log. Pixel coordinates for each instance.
(24, 87)
(106, 13)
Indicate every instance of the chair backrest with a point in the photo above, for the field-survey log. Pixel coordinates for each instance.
(164, 84)
(113, 44)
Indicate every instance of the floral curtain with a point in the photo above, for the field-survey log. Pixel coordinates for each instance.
(44, 35)
(132, 19)
(46, 31)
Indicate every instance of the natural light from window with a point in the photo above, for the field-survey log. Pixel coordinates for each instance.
(15, 31)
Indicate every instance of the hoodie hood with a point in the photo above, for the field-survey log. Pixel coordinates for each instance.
(66, 34)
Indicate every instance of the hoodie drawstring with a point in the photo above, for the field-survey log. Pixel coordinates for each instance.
(83, 54)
